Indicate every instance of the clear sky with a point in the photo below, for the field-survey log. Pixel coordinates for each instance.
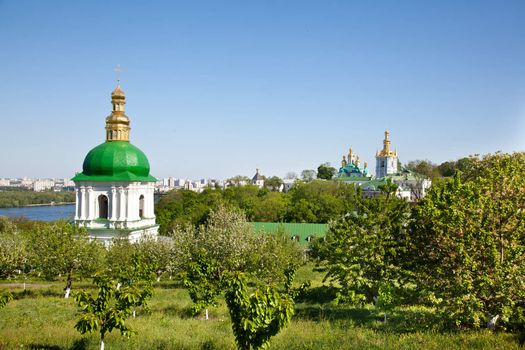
(219, 88)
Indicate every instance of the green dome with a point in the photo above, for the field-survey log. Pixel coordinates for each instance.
(115, 161)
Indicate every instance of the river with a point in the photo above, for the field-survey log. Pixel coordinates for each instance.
(41, 213)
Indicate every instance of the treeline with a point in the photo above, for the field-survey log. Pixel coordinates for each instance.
(316, 201)
(434, 171)
(12, 199)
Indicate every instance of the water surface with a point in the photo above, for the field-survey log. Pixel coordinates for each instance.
(41, 213)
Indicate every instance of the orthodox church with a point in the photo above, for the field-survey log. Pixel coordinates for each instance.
(352, 167)
(410, 186)
(386, 159)
(386, 164)
(114, 191)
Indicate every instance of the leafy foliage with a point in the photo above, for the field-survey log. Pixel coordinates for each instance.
(361, 250)
(313, 201)
(5, 297)
(468, 238)
(258, 316)
(62, 249)
(325, 171)
(228, 244)
(203, 280)
(13, 250)
(109, 309)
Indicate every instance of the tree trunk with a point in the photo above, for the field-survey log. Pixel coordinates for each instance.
(102, 341)
(206, 313)
(68, 285)
(134, 312)
(118, 285)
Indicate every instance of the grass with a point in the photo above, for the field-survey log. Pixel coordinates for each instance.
(40, 318)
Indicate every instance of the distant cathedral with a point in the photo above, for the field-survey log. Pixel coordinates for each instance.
(114, 191)
(386, 164)
(410, 186)
(352, 167)
(386, 159)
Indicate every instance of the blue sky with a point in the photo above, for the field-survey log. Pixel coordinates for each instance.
(219, 88)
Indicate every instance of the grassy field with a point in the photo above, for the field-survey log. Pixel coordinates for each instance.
(40, 318)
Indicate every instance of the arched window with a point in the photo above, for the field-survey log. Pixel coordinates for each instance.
(141, 206)
(102, 207)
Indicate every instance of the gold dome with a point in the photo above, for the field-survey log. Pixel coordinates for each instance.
(117, 92)
(117, 123)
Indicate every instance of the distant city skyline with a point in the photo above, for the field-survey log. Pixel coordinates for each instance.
(218, 89)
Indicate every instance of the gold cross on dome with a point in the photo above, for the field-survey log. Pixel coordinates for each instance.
(118, 70)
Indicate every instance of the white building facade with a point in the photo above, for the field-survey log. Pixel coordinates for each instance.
(386, 159)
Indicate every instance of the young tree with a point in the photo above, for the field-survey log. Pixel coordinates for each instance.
(258, 316)
(275, 254)
(109, 309)
(64, 249)
(361, 250)
(468, 241)
(13, 250)
(228, 244)
(203, 280)
(157, 254)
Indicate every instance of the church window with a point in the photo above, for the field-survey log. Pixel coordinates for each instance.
(102, 207)
(141, 206)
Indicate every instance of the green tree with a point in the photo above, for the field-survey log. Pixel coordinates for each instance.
(325, 171)
(308, 175)
(258, 316)
(468, 241)
(64, 249)
(447, 169)
(273, 255)
(362, 248)
(424, 168)
(273, 183)
(157, 254)
(228, 244)
(13, 249)
(109, 309)
(271, 207)
(203, 280)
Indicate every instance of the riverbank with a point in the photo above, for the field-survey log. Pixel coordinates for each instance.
(21, 199)
(43, 205)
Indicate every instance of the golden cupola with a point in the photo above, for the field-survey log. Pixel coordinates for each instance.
(117, 123)
(386, 151)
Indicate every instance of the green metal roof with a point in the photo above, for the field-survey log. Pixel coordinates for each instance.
(115, 161)
(353, 178)
(301, 232)
(374, 184)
